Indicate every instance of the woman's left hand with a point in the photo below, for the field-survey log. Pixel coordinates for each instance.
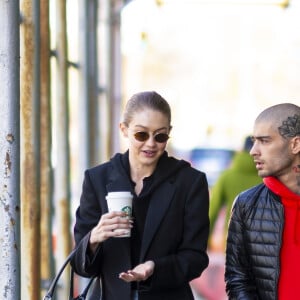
(139, 273)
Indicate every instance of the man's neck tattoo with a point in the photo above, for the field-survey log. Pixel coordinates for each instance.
(296, 169)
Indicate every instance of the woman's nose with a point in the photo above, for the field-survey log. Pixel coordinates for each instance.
(151, 140)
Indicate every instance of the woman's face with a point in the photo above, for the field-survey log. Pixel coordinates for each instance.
(151, 122)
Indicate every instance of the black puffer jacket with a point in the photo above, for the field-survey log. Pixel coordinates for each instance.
(253, 245)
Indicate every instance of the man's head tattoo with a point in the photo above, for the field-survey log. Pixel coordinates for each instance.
(290, 127)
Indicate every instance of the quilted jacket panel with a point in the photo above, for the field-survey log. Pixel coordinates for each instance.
(253, 245)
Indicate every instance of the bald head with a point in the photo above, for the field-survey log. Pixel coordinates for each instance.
(284, 117)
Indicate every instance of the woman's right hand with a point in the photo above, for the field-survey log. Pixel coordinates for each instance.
(106, 228)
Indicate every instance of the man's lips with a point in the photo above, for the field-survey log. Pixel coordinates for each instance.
(258, 164)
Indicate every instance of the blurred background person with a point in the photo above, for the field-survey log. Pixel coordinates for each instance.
(241, 175)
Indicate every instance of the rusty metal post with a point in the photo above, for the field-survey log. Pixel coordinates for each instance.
(62, 155)
(9, 151)
(30, 157)
(46, 189)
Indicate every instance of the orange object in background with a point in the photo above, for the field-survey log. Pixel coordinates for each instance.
(211, 285)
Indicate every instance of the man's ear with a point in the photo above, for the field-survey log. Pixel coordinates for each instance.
(124, 129)
(296, 144)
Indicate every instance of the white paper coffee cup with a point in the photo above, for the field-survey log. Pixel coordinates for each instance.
(120, 201)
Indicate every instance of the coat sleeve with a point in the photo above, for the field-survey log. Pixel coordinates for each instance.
(239, 284)
(87, 216)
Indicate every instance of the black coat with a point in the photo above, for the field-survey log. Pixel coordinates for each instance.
(175, 234)
(253, 245)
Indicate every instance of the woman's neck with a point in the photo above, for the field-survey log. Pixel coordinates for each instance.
(138, 172)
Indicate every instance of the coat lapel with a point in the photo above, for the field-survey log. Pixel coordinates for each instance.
(158, 207)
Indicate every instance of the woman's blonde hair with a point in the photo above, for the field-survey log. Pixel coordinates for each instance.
(149, 99)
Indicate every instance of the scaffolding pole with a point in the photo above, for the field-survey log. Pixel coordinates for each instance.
(88, 91)
(62, 155)
(88, 83)
(114, 72)
(30, 150)
(47, 260)
(9, 151)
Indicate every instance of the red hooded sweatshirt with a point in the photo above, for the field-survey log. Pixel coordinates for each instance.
(289, 284)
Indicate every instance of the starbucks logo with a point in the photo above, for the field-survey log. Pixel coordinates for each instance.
(127, 210)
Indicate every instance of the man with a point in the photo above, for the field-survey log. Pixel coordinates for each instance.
(263, 243)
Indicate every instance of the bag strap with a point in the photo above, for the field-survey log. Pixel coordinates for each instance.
(83, 295)
(54, 282)
(53, 285)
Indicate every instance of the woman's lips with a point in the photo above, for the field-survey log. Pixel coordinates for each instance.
(149, 153)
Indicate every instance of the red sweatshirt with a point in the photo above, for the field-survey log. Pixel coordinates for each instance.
(288, 285)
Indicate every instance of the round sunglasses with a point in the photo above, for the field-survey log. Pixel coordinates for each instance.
(143, 136)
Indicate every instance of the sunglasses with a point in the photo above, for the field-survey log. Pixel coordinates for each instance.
(143, 136)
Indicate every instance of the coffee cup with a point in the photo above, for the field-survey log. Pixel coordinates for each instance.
(120, 201)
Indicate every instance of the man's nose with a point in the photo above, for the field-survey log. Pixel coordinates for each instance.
(253, 149)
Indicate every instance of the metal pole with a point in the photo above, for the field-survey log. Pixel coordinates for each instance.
(88, 91)
(47, 260)
(88, 76)
(62, 168)
(9, 151)
(84, 98)
(114, 72)
(94, 84)
(30, 156)
(103, 69)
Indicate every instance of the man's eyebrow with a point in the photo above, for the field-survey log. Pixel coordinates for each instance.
(260, 137)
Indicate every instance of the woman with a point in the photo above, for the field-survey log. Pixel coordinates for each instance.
(170, 224)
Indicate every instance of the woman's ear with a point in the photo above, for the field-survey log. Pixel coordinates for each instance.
(123, 129)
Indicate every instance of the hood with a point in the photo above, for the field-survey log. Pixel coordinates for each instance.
(167, 167)
(243, 161)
